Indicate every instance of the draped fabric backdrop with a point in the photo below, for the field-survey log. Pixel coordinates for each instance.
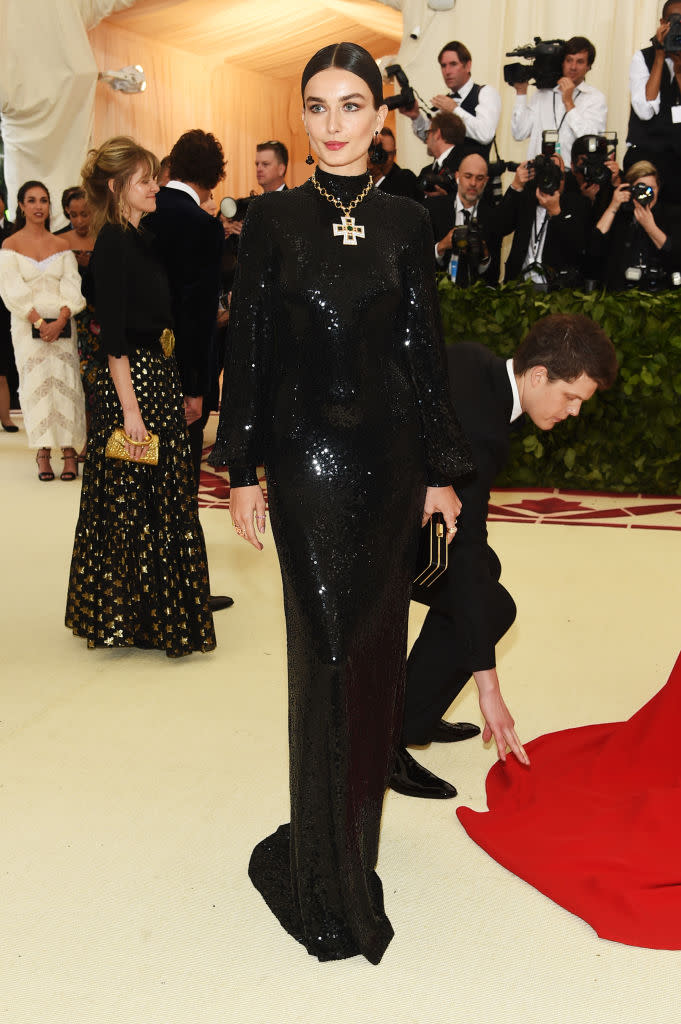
(47, 84)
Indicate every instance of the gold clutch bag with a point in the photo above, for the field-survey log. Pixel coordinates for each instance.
(115, 447)
(433, 551)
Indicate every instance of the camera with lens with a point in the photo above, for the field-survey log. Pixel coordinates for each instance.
(546, 67)
(590, 157)
(672, 41)
(235, 209)
(469, 251)
(430, 180)
(642, 193)
(406, 97)
(547, 174)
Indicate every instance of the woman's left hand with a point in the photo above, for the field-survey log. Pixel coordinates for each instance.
(442, 499)
(50, 332)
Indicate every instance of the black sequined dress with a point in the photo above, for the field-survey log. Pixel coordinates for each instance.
(139, 575)
(336, 382)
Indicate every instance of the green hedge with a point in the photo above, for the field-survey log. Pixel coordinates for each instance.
(625, 439)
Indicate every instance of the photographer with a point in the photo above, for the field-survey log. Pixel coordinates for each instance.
(637, 241)
(446, 143)
(464, 223)
(572, 107)
(594, 173)
(550, 225)
(655, 119)
(388, 175)
(478, 106)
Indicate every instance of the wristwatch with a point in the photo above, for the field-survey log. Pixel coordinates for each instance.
(38, 323)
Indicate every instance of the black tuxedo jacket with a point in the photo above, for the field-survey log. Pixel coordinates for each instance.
(189, 244)
(441, 211)
(401, 182)
(453, 158)
(483, 401)
(566, 234)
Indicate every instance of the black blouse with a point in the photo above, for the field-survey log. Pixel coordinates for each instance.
(131, 293)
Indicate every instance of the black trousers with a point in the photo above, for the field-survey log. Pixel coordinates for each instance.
(195, 431)
(439, 665)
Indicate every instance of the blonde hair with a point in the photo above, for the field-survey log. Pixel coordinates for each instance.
(118, 159)
(642, 169)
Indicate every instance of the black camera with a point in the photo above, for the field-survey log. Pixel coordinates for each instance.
(547, 174)
(445, 179)
(469, 246)
(672, 41)
(235, 209)
(642, 193)
(406, 97)
(546, 65)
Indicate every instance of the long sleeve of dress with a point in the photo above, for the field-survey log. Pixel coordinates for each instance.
(239, 442)
(15, 292)
(447, 450)
(69, 286)
(109, 274)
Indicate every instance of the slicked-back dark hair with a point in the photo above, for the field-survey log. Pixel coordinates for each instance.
(568, 345)
(348, 57)
(197, 156)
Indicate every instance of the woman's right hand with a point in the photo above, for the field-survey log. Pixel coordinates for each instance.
(245, 503)
(133, 425)
(622, 194)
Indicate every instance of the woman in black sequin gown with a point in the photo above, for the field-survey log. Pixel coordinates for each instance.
(336, 381)
(139, 575)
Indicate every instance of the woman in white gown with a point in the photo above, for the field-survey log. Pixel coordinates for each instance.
(40, 285)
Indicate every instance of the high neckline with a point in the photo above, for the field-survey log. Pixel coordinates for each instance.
(345, 187)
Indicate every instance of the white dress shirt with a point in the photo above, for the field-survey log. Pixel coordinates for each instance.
(480, 126)
(517, 410)
(638, 79)
(182, 186)
(545, 109)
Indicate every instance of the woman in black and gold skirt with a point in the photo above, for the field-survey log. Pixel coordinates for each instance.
(139, 575)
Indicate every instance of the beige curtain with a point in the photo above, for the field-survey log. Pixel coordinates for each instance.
(489, 28)
(47, 84)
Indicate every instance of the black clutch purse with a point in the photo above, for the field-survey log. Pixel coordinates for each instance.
(433, 557)
(65, 331)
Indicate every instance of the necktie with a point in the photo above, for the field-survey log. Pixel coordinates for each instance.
(466, 216)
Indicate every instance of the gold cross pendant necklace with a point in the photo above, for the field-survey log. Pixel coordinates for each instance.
(347, 227)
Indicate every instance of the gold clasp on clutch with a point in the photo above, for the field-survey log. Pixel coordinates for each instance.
(439, 529)
(167, 342)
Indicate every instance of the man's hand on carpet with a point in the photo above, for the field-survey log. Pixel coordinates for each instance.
(498, 719)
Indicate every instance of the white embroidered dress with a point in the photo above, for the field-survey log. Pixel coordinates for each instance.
(50, 388)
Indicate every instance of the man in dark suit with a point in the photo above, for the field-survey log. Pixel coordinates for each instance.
(467, 208)
(550, 229)
(189, 242)
(560, 364)
(447, 145)
(388, 175)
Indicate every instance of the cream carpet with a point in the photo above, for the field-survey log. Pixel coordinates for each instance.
(133, 787)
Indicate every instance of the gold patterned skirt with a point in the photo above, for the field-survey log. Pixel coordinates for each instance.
(139, 575)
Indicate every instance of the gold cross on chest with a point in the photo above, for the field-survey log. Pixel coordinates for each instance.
(349, 230)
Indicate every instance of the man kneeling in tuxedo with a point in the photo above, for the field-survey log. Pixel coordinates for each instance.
(561, 363)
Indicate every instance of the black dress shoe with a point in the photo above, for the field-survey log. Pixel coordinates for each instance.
(10, 428)
(411, 779)
(454, 732)
(216, 604)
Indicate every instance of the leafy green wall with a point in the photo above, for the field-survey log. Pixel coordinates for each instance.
(625, 439)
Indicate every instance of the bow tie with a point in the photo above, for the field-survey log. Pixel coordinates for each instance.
(454, 96)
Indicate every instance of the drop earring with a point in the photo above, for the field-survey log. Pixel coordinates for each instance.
(309, 159)
(376, 151)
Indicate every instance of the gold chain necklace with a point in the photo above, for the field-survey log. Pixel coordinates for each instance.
(347, 227)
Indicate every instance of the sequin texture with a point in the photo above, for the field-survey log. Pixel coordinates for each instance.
(139, 575)
(336, 381)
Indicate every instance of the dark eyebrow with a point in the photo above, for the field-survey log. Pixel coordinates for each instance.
(343, 99)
